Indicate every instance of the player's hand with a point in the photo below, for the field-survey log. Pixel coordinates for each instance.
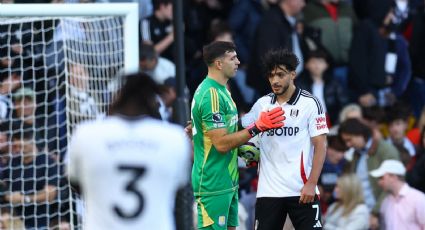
(307, 193)
(188, 129)
(268, 120)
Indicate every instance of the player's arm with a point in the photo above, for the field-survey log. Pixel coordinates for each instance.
(164, 43)
(225, 142)
(319, 143)
(308, 192)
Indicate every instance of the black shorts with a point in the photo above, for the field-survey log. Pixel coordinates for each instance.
(270, 213)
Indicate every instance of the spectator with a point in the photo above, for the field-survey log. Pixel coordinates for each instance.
(10, 222)
(417, 49)
(414, 134)
(349, 212)
(397, 118)
(25, 109)
(404, 206)
(243, 19)
(397, 63)
(82, 105)
(277, 29)
(374, 117)
(332, 169)
(168, 96)
(9, 82)
(336, 20)
(369, 154)
(31, 179)
(320, 84)
(352, 110)
(366, 64)
(163, 72)
(158, 28)
(59, 224)
(416, 177)
(25, 105)
(157, 67)
(4, 144)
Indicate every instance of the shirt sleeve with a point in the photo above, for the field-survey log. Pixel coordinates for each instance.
(212, 110)
(252, 115)
(317, 119)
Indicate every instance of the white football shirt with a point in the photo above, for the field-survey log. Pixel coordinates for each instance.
(129, 170)
(287, 153)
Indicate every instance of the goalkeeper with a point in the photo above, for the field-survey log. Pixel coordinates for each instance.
(214, 116)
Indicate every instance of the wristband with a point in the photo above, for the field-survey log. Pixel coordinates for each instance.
(253, 130)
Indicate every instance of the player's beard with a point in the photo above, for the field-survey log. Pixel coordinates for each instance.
(281, 91)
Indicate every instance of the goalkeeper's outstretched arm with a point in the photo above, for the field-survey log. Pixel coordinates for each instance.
(224, 141)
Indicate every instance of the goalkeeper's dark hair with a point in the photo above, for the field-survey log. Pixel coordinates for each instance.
(280, 57)
(138, 96)
(215, 50)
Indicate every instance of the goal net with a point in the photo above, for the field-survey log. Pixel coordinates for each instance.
(55, 72)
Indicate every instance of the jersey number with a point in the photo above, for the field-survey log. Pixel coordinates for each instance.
(137, 173)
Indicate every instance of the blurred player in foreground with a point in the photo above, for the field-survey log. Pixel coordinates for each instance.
(130, 165)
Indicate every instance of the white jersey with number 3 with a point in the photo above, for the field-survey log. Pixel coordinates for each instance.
(287, 153)
(129, 171)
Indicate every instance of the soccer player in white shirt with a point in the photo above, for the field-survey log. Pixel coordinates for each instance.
(130, 164)
(292, 156)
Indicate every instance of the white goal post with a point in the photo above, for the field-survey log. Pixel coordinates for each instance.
(59, 65)
(130, 11)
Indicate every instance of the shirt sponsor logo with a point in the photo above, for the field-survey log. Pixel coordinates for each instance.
(321, 123)
(285, 131)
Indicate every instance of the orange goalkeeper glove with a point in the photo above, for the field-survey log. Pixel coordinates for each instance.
(268, 120)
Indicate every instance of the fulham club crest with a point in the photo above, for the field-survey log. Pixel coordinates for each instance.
(294, 113)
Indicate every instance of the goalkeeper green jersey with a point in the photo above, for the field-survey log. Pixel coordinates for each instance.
(213, 173)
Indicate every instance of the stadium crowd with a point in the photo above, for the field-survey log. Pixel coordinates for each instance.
(363, 59)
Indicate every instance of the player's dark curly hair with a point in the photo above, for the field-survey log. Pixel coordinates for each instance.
(280, 57)
(138, 96)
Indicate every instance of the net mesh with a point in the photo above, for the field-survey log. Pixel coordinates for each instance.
(55, 72)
